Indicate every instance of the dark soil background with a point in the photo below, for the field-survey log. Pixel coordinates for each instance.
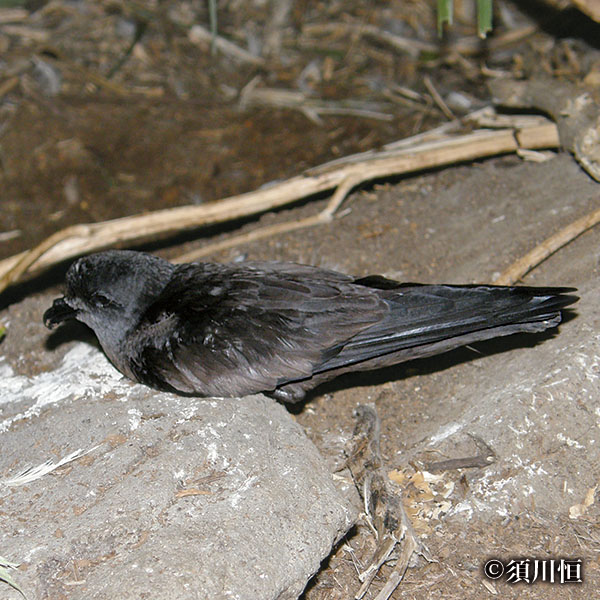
(113, 108)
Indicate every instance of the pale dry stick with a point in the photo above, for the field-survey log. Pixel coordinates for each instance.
(438, 133)
(8, 85)
(325, 216)
(467, 46)
(5, 236)
(411, 46)
(408, 93)
(409, 547)
(26, 259)
(199, 35)
(391, 584)
(277, 23)
(82, 239)
(537, 137)
(368, 575)
(513, 36)
(403, 100)
(29, 33)
(489, 118)
(334, 109)
(252, 95)
(531, 132)
(437, 98)
(548, 247)
(13, 15)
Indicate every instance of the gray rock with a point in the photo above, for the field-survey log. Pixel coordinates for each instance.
(538, 410)
(175, 498)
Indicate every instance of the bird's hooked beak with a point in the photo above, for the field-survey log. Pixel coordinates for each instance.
(59, 311)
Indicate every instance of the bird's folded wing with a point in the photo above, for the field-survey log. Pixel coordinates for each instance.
(221, 331)
(421, 316)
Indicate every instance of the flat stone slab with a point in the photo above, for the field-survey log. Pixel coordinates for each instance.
(175, 497)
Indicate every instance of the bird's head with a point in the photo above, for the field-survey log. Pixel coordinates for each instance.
(109, 291)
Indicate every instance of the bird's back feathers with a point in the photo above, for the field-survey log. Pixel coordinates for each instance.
(280, 328)
(239, 329)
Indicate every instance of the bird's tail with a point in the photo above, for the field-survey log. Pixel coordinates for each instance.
(428, 319)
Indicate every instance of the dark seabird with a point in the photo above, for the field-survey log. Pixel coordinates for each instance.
(281, 328)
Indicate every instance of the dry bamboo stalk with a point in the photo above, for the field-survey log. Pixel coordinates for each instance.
(81, 239)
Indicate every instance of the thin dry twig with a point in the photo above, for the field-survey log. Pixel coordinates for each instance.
(409, 547)
(311, 107)
(548, 247)
(26, 259)
(411, 46)
(199, 35)
(437, 98)
(7, 86)
(13, 15)
(325, 216)
(485, 458)
(467, 46)
(343, 175)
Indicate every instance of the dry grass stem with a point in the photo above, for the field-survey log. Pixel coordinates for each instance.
(548, 247)
(409, 547)
(341, 176)
(324, 216)
(8, 86)
(200, 36)
(467, 46)
(438, 99)
(311, 107)
(411, 46)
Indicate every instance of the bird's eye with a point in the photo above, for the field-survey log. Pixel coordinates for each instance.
(100, 300)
